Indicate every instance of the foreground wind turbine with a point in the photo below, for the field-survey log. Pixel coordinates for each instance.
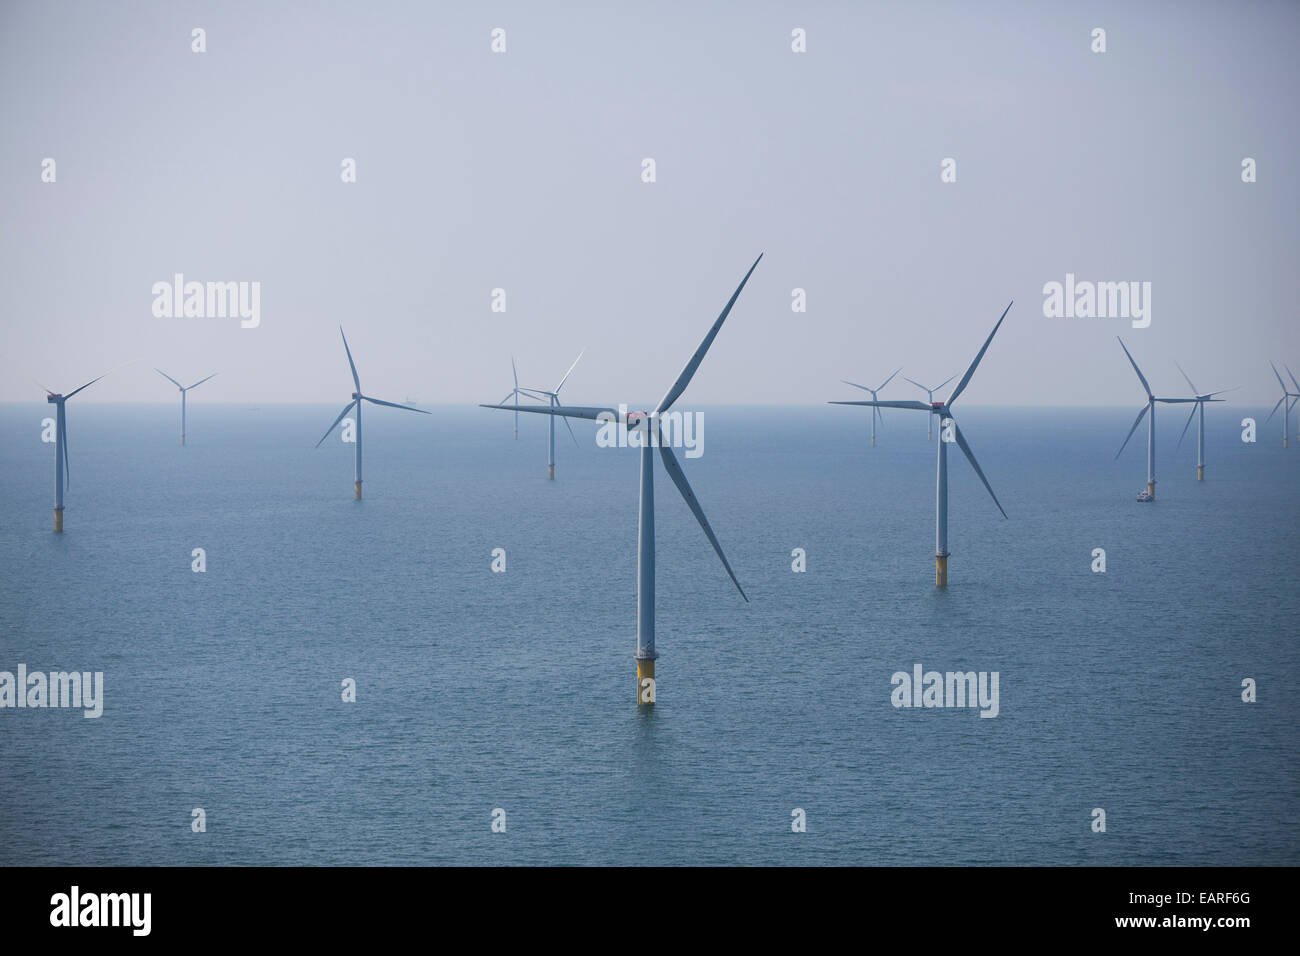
(929, 396)
(947, 427)
(1285, 402)
(1150, 406)
(184, 389)
(875, 413)
(553, 399)
(62, 470)
(1199, 407)
(357, 399)
(647, 426)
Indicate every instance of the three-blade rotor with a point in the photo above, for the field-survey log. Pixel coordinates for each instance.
(650, 422)
(944, 409)
(357, 397)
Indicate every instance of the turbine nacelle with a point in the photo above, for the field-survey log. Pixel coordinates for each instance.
(53, 397)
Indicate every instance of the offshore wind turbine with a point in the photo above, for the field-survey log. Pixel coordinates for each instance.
(648, 427)
(514, 393)
(1199, 407)
(929, 397)
(1150, 406)
(184, 389)
(875, 413)
(62, 470)
(1285, 402)
(552, 398)
(357, 399)
(944, 411)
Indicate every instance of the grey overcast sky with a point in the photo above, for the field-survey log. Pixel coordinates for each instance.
(522, 170)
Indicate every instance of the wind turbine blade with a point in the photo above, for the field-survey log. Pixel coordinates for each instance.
(688, 372)
(352, 365)
(346, 408)
(570, 371)
(565, 411)
(47, 391)
(1279, 377)
(903, 404)
(87, 385)
(917, 384)
(1222, 391)
(856, 385)
(679, 479)
(514, 371)
(970, 456)
(508, 394)
(1288, 372)
(202, 380)
(1189, 422)
(376, 401)
(537, 394)
(571, 435)
(965, 379)
(890, 379)
(1136, 423)
(1142, 378)
(169, 378)
(943, 383)
(1188, 380)
(1276, 407)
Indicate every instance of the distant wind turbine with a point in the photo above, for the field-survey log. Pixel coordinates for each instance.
(553, 399)
(355, 404)
(944, 411)
(929, 395)
(62, 469)
(514, 393)
(648, 426)
(875, 412)
(1284, 402)
(184, 389)
(1199, 407)
(1150, 406)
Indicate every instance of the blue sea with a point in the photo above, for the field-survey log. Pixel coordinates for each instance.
(479, 690)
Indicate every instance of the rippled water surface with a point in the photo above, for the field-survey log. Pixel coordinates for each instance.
(479, 690)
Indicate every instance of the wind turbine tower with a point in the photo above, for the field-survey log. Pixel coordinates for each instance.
(183, 389)
(875, 413)
(355, 404)
(62, 470)
(552, 398)
(1150, 406)
(648, 427)
(1199, 409)
(1285, 402)
(948, 433)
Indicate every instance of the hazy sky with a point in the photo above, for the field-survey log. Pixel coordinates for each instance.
(522, 170)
